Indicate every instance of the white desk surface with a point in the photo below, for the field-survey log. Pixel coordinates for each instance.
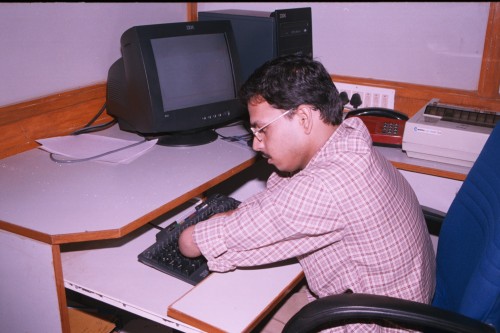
(39, 194)
(57, 199)
(110, 272)
(242, 295)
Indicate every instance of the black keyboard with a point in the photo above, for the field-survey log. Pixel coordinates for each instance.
(164, 254)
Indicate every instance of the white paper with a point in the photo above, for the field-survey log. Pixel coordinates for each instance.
(89, 147)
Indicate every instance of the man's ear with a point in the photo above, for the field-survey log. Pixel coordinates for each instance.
(305, 117)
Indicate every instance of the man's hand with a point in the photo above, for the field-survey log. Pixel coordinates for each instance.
(187, 246)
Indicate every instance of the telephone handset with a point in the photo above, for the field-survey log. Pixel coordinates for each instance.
(386, 126)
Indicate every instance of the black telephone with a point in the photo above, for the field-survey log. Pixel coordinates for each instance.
(386, 126)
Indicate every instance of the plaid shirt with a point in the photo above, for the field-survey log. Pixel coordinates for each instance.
(350, 218)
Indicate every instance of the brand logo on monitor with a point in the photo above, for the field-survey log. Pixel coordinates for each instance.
(189, 27)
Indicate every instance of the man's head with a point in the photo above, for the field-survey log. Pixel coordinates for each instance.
(294, 108)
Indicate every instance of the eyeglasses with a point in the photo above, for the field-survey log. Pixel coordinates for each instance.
(257, 132)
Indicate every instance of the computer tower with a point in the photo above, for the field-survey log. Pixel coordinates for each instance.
(262, 36)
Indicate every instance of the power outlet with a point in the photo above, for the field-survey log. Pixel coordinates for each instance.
(370, 96)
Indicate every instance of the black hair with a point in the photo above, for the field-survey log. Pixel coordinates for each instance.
(289, 81)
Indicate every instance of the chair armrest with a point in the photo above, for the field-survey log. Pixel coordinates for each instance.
(337, 309)
(434, 219)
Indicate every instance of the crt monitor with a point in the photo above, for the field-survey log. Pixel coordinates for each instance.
(176, 81)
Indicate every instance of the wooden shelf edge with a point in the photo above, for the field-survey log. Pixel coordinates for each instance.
(429, 171)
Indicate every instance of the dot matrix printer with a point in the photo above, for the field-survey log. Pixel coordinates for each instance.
(448, 134)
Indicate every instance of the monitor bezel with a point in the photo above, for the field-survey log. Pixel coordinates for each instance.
(137, 50)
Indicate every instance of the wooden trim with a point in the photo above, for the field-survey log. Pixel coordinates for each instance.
(410, 98)
(190, 320)
(59, 114)
(192, 11)
(60, 289)
(489, 80)
(429, 171)
(15, 229)
(282, 295)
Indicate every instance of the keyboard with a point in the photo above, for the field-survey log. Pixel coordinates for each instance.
(164, 255)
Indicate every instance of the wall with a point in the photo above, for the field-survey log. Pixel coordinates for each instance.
(53, 47)
(55, 56)
(435, 44)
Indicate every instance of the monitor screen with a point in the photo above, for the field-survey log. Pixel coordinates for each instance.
(176, 81)
(185, 58)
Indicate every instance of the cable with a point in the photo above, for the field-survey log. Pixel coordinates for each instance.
(236, 138)
(97, 115)
(90, 129)
(155, 226)
(53, 158)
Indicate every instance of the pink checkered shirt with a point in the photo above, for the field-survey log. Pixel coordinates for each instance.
(350, 218)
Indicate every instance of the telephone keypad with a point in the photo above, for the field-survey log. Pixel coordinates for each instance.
(390, 128)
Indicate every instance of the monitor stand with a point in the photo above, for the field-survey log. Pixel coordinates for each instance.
(187, 139)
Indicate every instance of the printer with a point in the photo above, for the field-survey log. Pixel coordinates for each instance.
(448, 134)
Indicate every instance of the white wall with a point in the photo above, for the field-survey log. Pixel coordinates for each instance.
(431, 43)
(53, 47)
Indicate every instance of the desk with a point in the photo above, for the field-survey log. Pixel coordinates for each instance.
(80, 226)
(55, 219)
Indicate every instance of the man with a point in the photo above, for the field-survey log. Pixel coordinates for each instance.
(335, 203)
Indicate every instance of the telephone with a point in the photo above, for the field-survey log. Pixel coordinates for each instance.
(386, 126)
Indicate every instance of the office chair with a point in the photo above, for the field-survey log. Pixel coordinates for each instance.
(467, 295)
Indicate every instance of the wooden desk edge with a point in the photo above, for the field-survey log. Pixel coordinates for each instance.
(120, 232)
(276, 301)
(202, 325)
(429, 171)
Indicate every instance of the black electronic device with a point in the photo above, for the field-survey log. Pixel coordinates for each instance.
(164, 254)
(262, 36)
(176, 81)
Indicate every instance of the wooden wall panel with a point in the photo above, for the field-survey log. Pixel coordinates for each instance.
(489, 80)
(410, 98)
(60, 114)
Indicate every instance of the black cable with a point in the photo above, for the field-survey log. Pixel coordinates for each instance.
(91, 129)
(155, 226)
(236, 138)
(97, 115)
(88, 128)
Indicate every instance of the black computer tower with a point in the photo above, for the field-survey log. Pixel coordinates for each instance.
(262, 36)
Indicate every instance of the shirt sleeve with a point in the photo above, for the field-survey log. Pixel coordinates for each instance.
(285, 221)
